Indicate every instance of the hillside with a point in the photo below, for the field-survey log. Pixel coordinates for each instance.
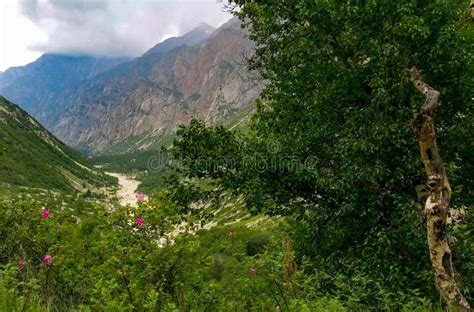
(138, 104)
(31, 156)
(37, 83)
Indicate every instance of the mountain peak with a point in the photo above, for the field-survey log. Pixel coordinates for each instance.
(191, 38)
(203, 26)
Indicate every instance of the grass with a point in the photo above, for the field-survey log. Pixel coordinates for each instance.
(31, 156)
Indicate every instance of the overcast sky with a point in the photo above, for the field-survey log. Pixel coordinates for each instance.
(29, 28)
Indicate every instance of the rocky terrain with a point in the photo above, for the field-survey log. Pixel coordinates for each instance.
(139, 103)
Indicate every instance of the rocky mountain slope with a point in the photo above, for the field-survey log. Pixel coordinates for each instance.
(136, 104)
(195, 36)
(41, 81)
(31, 156)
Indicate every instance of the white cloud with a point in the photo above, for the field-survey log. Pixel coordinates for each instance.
(29, 28)
(115, 27)
(16, 34)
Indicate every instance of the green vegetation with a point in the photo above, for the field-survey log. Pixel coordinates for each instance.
(30, 156)
(150, 166)
(102, 260)
(315, 204)
(147, 141)
(194, 97)
(331, 146)
(125, 163)
(146, 166)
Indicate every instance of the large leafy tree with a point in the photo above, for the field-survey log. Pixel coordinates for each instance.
(335, 117)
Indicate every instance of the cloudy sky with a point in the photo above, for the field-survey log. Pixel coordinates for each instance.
(28, 28)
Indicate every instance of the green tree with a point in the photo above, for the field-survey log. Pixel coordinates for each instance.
(339, 78)
(335, 117)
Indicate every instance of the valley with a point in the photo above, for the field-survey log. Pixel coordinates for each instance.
(256, 156)
(120, 106)
(127, 189)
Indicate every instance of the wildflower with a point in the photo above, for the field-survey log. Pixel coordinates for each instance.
(253, 271)
(47, 259)
(140, 196)
(45, 213)
(21, 263)
(139, 221)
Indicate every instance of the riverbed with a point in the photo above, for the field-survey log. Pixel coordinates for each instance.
(127, 189)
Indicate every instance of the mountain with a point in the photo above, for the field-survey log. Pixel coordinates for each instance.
(40, 81)
(138, 103)
(31, 156)
(191, 38)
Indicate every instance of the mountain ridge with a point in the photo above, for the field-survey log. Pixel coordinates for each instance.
(31, 156)
(32, 84)
(191, 38)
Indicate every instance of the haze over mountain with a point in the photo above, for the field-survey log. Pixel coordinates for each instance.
(30, 156)
(40, 81)
(201, 32)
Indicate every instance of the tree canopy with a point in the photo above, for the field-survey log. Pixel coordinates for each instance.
(332, 144)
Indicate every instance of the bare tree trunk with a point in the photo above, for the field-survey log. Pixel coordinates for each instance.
(437, 203)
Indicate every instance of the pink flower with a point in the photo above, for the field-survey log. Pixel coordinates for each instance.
(140, 196)
(47, 259)
(253, 271)
(21, 263)
(139, 221)
(45, 213)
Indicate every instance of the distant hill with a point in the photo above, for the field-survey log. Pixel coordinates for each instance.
(30, 156)
(39, 82)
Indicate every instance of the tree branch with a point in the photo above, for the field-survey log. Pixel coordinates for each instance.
(439, 194)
